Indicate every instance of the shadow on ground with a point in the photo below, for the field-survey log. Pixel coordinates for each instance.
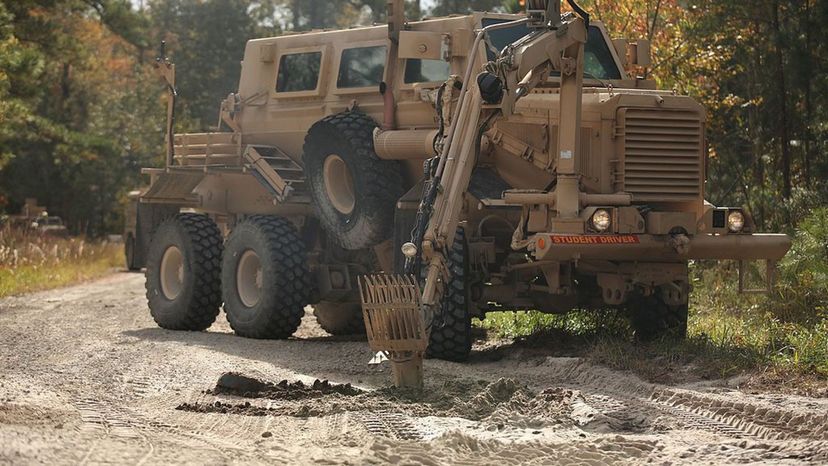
(666, 361)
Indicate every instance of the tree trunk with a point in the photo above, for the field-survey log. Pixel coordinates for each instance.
(297, 14)
(809, 83)
(753, 125)
(781, 89)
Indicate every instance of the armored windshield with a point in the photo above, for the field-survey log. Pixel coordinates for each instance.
(598, 62)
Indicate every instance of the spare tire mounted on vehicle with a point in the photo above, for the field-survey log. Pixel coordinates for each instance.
(355, 192)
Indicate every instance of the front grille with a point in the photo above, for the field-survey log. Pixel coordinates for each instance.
(662, 155)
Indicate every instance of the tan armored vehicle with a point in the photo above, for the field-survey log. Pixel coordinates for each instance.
(511, 161)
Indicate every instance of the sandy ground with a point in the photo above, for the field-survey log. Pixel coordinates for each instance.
(88, 378)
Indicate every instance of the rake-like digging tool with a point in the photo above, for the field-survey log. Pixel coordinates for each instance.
(395, 324)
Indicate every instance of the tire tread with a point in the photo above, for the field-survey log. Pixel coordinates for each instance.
(205, 239)
(293, 282)
(382, 178)
(452, 341)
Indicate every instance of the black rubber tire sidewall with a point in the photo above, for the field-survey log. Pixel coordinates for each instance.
(652, 319)
(339, 318)
(197, 305)
(129, 253)
(286, 280)
(451, 339)
(378, 184)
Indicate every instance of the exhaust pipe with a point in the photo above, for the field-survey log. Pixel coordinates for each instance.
(415, 144)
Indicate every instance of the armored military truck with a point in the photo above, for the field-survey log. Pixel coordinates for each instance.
(582, 185)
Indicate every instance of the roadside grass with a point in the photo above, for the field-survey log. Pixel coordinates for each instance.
(719, 345)
(778, 340)
(31, 262)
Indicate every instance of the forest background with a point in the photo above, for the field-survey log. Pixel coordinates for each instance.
(81, 109)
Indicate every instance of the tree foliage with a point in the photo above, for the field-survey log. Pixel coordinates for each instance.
(81, 110)
(766, 86)
(72, 128)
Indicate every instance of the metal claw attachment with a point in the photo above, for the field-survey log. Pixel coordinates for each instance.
(395, 324)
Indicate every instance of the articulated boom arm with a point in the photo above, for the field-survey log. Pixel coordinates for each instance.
(556, 45)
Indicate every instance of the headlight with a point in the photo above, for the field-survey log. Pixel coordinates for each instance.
(735, 221)
(601, 220)
(409, 250)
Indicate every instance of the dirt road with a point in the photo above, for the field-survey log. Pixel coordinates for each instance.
(88, 378)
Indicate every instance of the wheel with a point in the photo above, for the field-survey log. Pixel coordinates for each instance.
(266, 283)
(183, 278)
(451, 337)
(652, 318)
(354, 191)
(339, 318)
(129, 253)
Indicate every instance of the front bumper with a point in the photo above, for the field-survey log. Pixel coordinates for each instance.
(660, 248)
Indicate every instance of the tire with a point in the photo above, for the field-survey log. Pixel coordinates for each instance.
(354, 191)
(190, 298)
(451, 337)
(340, 318)
(652, 318)
(270, 249)
(129, 253)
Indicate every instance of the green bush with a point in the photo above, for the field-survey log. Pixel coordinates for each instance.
(802, 294)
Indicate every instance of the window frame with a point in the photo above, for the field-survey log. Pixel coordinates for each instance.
(320, 81)
(608, 41)
(340, 50)
(597, 24)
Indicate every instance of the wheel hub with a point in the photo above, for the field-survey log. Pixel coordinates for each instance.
(249, 278)
(172, 273)
(339, 184)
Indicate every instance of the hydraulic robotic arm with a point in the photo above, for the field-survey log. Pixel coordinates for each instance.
(555, 44)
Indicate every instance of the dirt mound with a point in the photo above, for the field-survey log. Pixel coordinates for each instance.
(290, 393)
(232, 383)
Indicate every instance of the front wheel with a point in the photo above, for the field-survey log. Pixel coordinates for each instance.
(652, 318)
(266, 283)
(451, 337)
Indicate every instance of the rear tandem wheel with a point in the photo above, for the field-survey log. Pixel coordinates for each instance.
(183, 273)
(266, 283)
(339, 318)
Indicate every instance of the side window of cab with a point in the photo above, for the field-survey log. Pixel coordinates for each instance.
(298, 73)
(361, 67)
(419, 70)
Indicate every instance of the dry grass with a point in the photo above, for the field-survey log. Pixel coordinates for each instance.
(30, 262)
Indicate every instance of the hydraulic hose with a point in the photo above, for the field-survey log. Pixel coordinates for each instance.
(427, 204)
(580, 11)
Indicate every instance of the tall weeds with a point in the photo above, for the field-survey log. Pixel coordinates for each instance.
(29, 261)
